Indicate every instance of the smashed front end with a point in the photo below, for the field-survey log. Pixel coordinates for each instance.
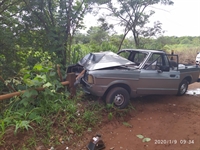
(99, 68)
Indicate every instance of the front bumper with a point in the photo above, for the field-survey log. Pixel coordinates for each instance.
(97, 90)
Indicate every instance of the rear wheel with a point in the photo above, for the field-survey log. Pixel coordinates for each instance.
(183, 87)
(119, 97)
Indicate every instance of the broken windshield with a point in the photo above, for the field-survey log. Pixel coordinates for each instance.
(134, 56)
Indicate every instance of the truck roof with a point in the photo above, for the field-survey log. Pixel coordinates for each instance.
(143, 50)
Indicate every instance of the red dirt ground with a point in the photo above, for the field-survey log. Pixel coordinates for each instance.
(171, 122)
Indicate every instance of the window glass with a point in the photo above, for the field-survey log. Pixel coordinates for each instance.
(139, 57)
(124, 54)
(154, 62)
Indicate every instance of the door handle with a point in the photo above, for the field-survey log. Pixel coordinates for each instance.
(172, 75)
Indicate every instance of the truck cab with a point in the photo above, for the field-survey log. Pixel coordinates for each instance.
(138, 72)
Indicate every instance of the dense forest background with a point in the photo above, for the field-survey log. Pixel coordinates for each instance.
(36, 35)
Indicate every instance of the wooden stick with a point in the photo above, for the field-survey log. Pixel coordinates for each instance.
(10, 95)
(71, 77)
(82, 72)
(6, 96)
(59, 73)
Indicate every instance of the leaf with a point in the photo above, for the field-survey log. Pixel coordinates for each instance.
(140, 136)
(52, 74)
(36, 83)
(26, 76)
(40, 78)
(35, 117)
(48, 84)
(24, 101)
(127, 124)
(146, 140)
(28, 82)
(25, 124)
(30, 93)
(37, 67)
(33, 92)
(26, 94)
(48, 92)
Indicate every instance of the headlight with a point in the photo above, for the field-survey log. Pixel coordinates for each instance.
(90, 79)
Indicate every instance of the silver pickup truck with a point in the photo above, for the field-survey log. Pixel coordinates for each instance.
(133, 72)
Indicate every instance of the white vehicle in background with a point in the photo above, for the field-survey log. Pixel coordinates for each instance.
(198, 59)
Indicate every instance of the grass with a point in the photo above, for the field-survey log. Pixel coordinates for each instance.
(187, 53)
(70, 122)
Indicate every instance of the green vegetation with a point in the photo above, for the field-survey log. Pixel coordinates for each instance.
(49, 117)
(35, 35)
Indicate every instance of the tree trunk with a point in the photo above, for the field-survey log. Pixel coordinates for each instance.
(136, 38)
(120, 45)
(68, 46)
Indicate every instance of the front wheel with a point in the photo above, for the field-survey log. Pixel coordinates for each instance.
(183, 87)
(119, 97)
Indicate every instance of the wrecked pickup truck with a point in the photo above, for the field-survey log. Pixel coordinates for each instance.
(132, 73)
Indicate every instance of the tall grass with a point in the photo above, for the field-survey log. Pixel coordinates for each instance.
(187, 52)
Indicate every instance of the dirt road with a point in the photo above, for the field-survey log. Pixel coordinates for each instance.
(171, 122)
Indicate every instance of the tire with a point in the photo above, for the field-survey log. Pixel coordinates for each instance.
(183, 87)
(119, 97)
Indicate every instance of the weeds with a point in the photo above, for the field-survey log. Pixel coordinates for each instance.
(114, 112)
(78, 128)
(90, 118)
(32, 141)
(49, 113)
(2, 132)
(110, 115)
(22, 125)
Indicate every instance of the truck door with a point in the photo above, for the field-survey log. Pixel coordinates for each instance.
(156, 77)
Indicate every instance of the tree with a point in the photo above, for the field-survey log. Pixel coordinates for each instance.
(132, 15)
(10, 27)
(97, 34)
(56, 21)
(185, 41)
(196, 41)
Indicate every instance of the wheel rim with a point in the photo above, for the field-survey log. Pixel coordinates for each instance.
(183, 88)
(119, 99)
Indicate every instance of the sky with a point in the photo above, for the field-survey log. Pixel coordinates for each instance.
(180, 19)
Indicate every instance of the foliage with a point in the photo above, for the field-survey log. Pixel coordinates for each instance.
(31, 30)
(42, 110)
(10, 62)
(132, 15)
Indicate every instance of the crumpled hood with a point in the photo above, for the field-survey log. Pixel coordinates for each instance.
(94, 61)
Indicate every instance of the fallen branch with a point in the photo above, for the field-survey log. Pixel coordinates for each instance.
(10, 95)
(80, 75)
